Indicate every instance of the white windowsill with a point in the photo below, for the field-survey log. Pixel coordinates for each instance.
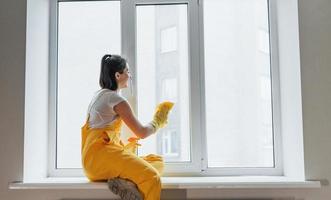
(244, 182)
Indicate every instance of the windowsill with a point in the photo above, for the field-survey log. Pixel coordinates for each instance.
(243, 182)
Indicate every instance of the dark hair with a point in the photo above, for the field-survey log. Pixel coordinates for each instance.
(110, 64)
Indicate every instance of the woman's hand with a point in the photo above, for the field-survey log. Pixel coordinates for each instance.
(160, 118)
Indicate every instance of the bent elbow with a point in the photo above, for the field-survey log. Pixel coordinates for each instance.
(144, 133)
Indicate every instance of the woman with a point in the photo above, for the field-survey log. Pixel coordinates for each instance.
(104, 156)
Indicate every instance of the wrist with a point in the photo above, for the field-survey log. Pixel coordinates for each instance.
(154, 126)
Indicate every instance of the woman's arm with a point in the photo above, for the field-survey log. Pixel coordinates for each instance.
(124, 110)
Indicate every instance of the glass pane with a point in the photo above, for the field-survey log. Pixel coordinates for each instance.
(86, 31)
(238, 84)
(162, 74)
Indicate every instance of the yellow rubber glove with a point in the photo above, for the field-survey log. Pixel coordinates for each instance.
(160, 118)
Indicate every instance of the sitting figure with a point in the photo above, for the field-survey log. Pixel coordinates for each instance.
(104, 156)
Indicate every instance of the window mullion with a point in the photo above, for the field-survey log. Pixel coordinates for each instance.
(204, 157)
(196, 87)
(129, 44)
(128, 51)
(275, 86)
(52, 101)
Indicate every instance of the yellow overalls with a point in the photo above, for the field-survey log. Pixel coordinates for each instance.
(104, 156)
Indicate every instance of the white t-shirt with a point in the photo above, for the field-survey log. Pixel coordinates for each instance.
(101, 108)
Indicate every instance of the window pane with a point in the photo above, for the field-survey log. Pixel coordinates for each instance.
(238, 84)
(86, 31)
(162, 74)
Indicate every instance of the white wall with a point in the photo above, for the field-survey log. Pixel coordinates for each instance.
(315, 41)
(315, 30)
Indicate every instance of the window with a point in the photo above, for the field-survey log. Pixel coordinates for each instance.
(169, 89)
(169, 144)
(163, 77)
(85, 31)
(234, 68)
(169, 39)
(213, 58)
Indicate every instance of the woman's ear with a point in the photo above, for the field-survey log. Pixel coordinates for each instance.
(117, 75)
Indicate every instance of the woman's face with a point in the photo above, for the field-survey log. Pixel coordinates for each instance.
(123, 79)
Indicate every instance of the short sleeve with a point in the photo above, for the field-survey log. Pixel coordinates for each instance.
(115, 99)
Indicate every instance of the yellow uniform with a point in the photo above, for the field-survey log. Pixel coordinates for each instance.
(104, 156)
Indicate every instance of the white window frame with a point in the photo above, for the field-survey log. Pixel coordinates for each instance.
(198, 164)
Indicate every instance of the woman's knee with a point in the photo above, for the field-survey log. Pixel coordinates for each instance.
(154, 175)
(156, 179)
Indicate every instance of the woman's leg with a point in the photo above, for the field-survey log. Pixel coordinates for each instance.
(112, 161)
(143, 174)
(156, 161)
